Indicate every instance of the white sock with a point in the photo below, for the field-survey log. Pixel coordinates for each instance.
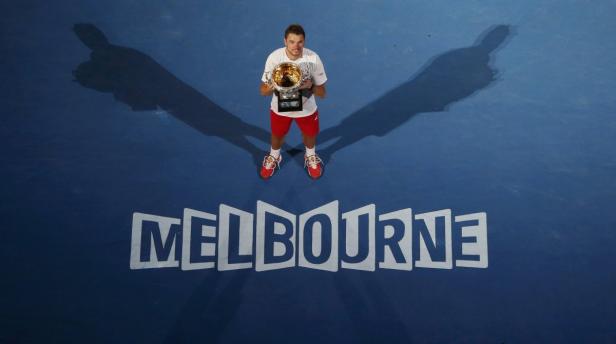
(311, 151)
(275, 152)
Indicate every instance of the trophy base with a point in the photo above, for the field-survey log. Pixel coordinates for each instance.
(288, 103)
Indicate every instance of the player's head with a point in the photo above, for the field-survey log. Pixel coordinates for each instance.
(294, 37)
(295, 29)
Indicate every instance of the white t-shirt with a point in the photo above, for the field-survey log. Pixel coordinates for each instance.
(317, 73)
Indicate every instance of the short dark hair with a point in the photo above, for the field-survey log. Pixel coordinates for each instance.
(295, 29)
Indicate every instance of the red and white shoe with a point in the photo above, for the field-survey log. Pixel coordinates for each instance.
(314, 166)
(269, 166)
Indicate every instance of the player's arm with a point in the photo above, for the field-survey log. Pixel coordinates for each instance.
(266, 89)
(319, 90)
(316, 90)
(320, 78)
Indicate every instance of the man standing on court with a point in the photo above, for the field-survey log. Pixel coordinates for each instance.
(308, 118)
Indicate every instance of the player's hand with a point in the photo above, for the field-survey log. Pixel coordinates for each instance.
(266, 89)
(306, 85)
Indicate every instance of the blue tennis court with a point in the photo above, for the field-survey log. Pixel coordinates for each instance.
(468, 192)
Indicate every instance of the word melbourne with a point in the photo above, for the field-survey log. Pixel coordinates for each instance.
(321, 238)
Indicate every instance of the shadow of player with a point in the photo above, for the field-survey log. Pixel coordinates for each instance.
(137, 80)
(210, 308)
(445, 79)
(373, 316)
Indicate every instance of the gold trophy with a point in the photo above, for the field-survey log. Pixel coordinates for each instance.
(286, 78)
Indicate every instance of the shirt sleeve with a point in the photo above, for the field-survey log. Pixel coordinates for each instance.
(318, 75)
(269, 66)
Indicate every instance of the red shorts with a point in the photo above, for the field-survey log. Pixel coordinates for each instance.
(309, 125)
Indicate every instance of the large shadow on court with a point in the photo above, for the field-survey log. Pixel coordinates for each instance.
(137, 80)
(444, 80)
(373, 316)
(210, 308)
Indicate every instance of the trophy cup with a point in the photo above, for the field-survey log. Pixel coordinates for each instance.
(286, 78)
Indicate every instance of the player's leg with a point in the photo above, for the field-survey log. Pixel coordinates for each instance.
(280, 127)
(310, 129)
